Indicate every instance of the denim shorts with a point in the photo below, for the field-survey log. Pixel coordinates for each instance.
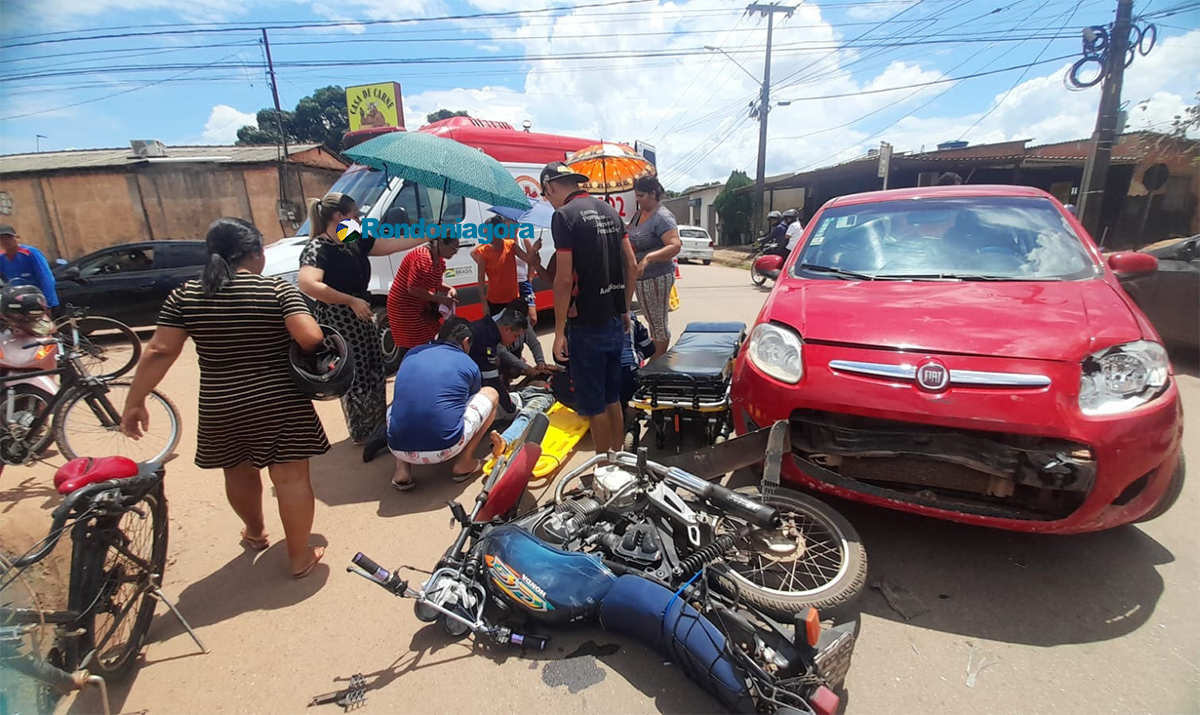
(595, 365)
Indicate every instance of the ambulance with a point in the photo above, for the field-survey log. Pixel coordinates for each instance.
(523, 153)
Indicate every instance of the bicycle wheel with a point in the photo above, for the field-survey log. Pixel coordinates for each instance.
(109, 347)
(17, 444)
(88, 424)
(113, 594)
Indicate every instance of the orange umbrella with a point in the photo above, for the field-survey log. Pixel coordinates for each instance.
(611, 168)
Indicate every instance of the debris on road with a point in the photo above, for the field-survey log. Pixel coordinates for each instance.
(351, 698)
(901, 600)
(975, 667)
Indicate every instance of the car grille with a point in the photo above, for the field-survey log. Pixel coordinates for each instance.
(960, 470)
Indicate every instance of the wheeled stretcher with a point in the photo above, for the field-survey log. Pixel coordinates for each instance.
(690, 384)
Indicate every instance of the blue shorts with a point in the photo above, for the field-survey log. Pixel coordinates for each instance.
(526, 288)
(595, 365)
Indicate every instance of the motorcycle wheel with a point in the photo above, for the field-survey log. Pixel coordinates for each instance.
(817, 560)
(756, 278)
(28, 403)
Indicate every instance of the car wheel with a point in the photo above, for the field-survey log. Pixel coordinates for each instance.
(1170, 496)
(706, 262)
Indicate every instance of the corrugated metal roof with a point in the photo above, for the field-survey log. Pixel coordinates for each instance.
(100, 158)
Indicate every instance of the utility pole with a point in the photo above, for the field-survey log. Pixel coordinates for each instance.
(764, 106)
(278, 123)
(1095, 171)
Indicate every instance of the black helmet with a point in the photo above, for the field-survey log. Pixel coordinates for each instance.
(24, 308)
(791, 215)
(326, 373)
(774, 215)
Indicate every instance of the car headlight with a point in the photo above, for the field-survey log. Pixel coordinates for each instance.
(292, 277)
(778, 352)
(1123, 377)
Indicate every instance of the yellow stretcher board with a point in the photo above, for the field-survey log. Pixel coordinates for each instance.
(565, 431)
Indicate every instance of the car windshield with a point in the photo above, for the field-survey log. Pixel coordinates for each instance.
(971, 238)
(363, 184)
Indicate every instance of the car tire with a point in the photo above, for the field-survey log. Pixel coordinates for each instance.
(1170, 496)
(706, 262)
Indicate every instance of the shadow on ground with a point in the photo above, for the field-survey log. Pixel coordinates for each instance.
(572, 660)
(1009, 587)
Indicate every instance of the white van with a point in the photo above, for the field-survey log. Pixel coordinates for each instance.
(377, 196)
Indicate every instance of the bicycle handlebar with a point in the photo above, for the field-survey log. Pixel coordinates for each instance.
(149, 475)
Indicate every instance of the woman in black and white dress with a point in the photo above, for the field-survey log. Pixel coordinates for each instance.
(337, 275)
(251, 413)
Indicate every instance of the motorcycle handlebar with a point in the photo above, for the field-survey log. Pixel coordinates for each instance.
(366, 563)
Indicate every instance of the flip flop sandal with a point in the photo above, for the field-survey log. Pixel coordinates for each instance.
(403, 486)
(461, 478)
(297, 575)
(260, 544)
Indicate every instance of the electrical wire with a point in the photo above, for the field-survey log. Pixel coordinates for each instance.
(243, 27)
(107, 96)
(1020, 78)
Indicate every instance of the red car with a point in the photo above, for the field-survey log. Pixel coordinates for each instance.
(964, 352)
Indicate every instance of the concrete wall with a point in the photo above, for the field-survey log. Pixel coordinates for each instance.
(69, 214)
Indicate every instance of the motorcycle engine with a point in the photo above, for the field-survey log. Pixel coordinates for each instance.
(615, 484)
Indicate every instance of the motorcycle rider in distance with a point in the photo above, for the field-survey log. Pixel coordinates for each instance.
(791, 219)
(775, 242)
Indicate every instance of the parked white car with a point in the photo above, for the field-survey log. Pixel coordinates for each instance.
(697, 245)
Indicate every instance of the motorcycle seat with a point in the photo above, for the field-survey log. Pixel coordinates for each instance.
(82, 471)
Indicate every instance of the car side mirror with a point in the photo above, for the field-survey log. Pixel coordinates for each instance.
(1130, 265)
(72, 274)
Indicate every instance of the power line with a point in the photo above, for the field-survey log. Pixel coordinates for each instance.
(109, 96)
(299, 25)
(1020, 78)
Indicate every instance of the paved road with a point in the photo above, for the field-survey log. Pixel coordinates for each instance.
(1097, 623)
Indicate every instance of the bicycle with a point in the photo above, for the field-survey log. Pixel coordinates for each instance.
(118, 530)
(103, 342)
(31, 416)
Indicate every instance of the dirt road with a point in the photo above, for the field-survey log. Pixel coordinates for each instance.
(1097, 623)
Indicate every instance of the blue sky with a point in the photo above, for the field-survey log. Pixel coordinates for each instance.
(622, 71)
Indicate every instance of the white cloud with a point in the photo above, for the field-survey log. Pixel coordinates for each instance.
(223, 124)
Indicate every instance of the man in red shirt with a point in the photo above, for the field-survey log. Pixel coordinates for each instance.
(418, 296)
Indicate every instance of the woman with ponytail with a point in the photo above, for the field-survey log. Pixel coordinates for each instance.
(251, 414)
(337, 274)
(655, 239)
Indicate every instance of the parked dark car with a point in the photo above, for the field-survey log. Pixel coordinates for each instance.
(1170, 297)
(129, 282)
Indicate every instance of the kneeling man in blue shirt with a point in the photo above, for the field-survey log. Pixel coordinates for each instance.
(440, 408)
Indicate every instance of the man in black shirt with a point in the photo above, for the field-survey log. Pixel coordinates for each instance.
(594, 280)
(488, 334)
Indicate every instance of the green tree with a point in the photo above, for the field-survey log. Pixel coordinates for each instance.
(441, 114)
(735, 208)
(1186, 122)
(318, 118)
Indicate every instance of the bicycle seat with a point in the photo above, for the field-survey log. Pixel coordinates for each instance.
(82, 471)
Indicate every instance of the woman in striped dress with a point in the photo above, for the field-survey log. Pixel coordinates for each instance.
(338, 274)
(251, 414)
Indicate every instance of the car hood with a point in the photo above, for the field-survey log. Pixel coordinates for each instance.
(1035, 320)
(283, 256)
